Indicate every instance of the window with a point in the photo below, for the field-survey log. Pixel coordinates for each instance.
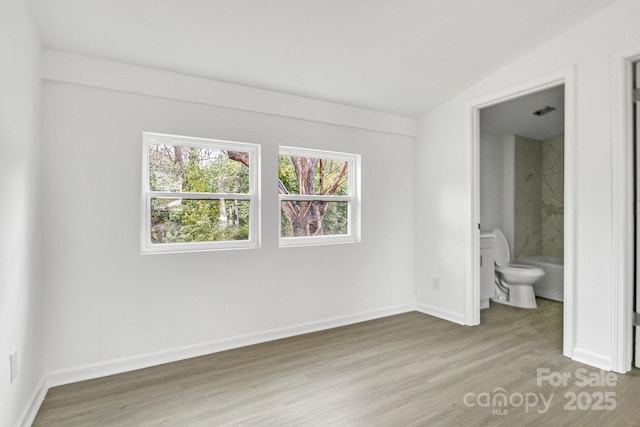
(199, 194)
(319, 197)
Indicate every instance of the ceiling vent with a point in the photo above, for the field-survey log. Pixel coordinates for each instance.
(543, 111)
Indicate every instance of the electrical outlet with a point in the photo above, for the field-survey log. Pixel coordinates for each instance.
(435, 284)
(13, 363)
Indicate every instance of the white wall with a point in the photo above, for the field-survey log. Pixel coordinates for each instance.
(497, 184)
(111, 309)
(444, 181)
(20, 287)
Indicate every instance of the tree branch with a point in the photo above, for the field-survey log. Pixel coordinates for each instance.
(239, 156)
(339, 179)
(290, 207)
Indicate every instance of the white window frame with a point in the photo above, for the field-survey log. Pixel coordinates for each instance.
(353, 180)
(147, 247)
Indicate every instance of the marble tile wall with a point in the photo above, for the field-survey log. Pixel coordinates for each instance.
(539, 197)
(528, 194)
(552, 202)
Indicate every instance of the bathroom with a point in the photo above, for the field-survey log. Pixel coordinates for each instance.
(522, 185)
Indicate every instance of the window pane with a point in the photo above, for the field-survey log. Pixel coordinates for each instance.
(177, 168)
(308, 175)
(315, 218)
(178, 220)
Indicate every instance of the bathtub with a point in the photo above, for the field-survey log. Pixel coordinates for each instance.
(551, 286)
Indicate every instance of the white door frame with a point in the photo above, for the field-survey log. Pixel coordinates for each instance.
(622, 208)
(472, 285)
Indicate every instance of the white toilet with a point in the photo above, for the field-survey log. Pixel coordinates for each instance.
(514, 283)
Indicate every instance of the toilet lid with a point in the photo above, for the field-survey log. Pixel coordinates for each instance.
(500, 248)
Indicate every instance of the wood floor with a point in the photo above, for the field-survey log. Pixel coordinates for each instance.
(404, 370)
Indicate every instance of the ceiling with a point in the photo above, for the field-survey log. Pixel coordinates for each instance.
(515, 117)
(399, 56)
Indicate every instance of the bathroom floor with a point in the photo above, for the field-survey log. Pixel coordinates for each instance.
(547, 319)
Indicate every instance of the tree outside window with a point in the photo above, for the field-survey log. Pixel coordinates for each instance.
(199, 194)
(318, 196)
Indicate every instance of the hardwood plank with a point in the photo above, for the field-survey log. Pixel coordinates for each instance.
(409, 369)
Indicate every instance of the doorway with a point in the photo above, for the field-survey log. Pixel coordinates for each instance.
(624, 282)
(562, 82)
(522, 193)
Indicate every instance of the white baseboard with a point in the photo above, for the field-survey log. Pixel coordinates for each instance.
(592, 359)
(33, 406)
(443, 314)
(549, 294)
(126, 364)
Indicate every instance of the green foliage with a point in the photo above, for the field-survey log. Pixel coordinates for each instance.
(286, 230)
(287, 174)
(327, 171)
(184, 169)
(336, 219)
(328, 179)
(197, 170)
(324, 174)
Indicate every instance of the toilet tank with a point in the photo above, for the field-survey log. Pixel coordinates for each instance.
(500, 248)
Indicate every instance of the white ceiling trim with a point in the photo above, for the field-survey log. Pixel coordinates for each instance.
(100, 73)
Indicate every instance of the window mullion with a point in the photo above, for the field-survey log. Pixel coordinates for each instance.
(316, 197)
(198, 196)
